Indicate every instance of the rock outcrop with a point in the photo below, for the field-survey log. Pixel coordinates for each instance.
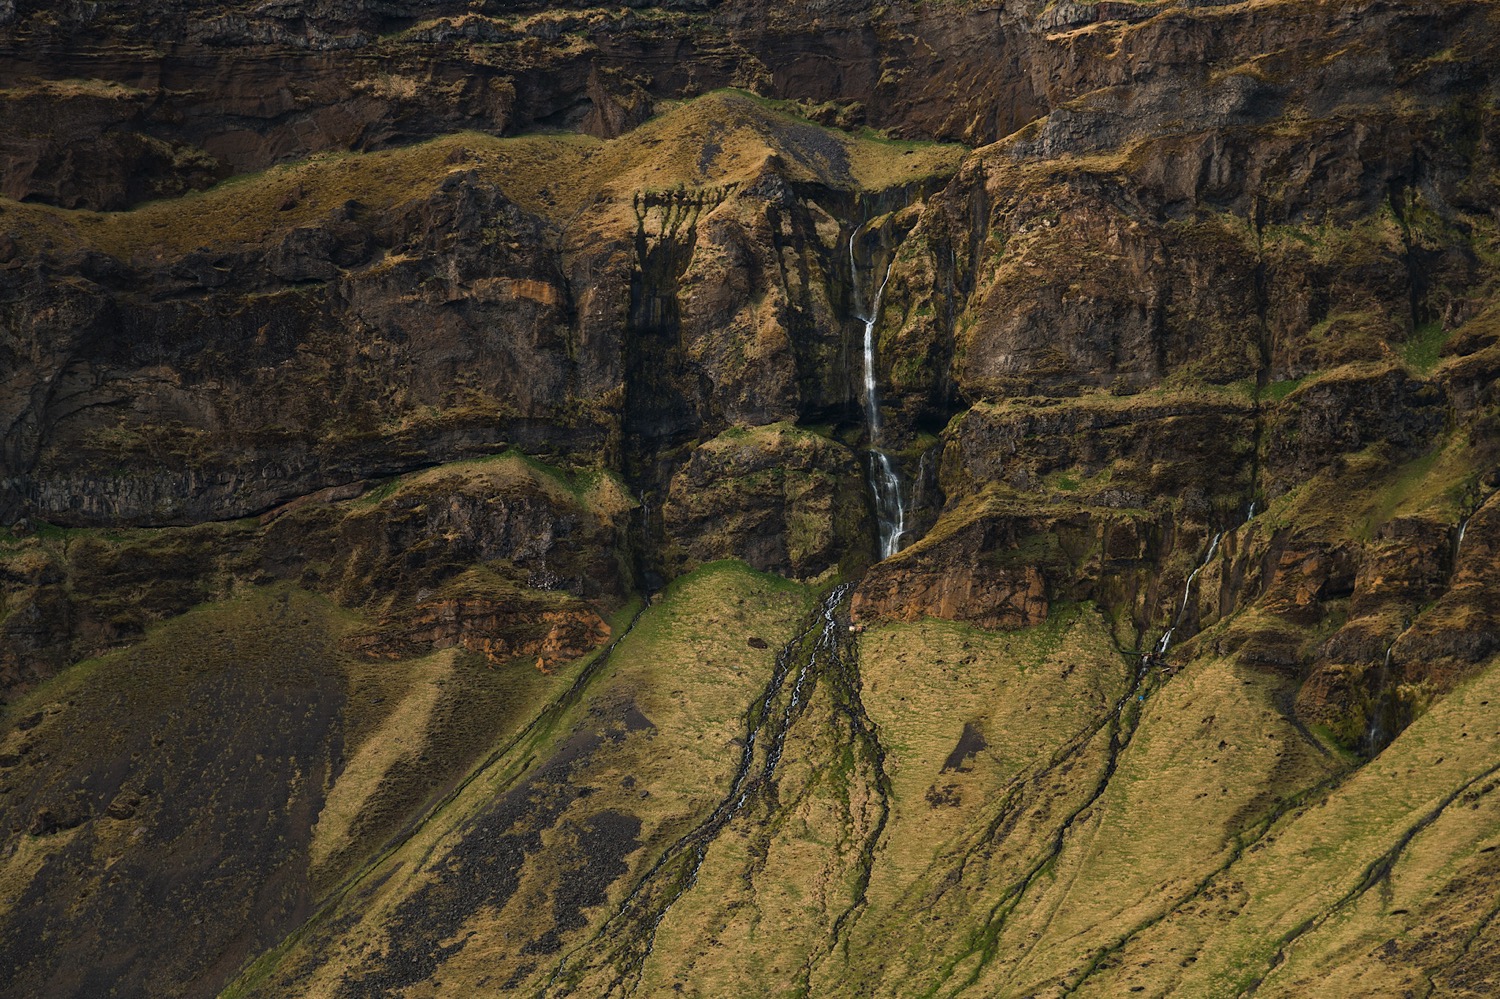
(371, 366)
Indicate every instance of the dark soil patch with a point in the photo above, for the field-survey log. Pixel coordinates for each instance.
(196, 763)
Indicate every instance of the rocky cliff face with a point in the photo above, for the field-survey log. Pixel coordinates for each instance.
(367, 365)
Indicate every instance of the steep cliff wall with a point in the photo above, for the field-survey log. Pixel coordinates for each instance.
(365, 366)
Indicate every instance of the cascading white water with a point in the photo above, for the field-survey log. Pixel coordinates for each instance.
(1213, 549)
(1187, 588)
(918, 482)
(1376, 732)
(1463, 528)
(885, 484)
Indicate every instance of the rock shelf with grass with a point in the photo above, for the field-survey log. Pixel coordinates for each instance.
(437, 547)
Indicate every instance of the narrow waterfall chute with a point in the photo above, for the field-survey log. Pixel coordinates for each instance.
(884, 480)
(1375, 734)
(1165, 642)
(1187, 588)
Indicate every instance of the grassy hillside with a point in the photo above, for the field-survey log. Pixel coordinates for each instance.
(708, 145)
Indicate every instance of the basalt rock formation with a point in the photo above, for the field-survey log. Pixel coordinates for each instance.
(441, 492)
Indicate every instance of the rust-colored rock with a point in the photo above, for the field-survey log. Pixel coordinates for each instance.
(503, 631)
(984, 596)
(980, 573)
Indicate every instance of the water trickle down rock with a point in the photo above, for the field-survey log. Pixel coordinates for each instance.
(1375, 735)
(1165, 642)
(885, 482)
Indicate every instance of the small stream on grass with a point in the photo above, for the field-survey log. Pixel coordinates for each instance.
(812, 655)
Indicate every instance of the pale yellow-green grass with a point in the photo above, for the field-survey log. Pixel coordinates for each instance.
(687, 667)
(556, 176)
(400, 735)
(1297, 893)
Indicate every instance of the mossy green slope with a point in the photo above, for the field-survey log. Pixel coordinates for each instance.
(204, 782)
(558, 177)
(1204, 284)
(963, 813)
(932, 809)
(535, 849)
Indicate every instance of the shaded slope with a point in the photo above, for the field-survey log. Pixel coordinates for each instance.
(512, 872)
(168, 808)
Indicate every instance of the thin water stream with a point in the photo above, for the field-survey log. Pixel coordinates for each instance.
(1187, 589)
(1375, 734)
(885, 482)
(813, 652)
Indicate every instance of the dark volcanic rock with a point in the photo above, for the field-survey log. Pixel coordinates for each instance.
(508, 313)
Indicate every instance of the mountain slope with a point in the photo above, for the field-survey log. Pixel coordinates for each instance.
(446, 447)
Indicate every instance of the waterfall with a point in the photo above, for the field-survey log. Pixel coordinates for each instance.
(1463, 528)
(885, 484)
(1187, 588)
(1376, 733)
(919, 481)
